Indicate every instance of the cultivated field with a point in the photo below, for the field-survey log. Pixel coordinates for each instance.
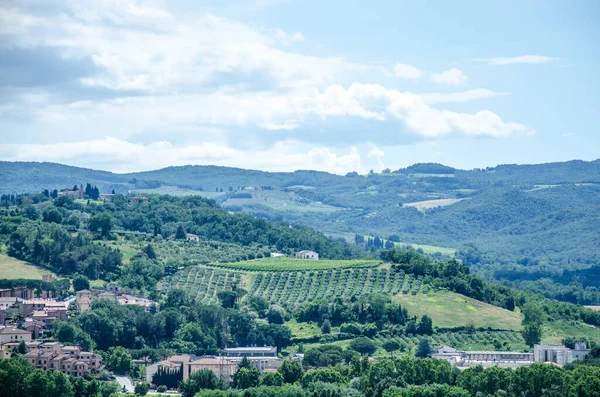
(291, 264)
(449, 309)
(292, 288)
(423, 206)
(11, 268)
(280, 201)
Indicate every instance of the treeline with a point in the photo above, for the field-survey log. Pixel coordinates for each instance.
(404, 377)
(49, 245)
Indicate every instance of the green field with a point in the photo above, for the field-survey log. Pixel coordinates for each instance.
(423, 206)
(12, 268)
(449, 309)
(291, 264)
(176, 191)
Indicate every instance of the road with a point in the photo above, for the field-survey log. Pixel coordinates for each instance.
(125, 381)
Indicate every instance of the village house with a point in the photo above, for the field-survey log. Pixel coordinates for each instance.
(307, 254)
(13, 334)
(69, 360)
(225, 369)
(84, 299)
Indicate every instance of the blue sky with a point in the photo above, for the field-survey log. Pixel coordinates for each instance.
(281, 85)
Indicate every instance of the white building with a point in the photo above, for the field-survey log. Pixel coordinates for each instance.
(307, 254)
(263, 358)
(12, 334)
(557, 354)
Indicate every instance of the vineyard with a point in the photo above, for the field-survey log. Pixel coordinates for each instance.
(292, 288)
(290, 264)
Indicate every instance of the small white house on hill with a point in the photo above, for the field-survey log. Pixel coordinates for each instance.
(307, 254)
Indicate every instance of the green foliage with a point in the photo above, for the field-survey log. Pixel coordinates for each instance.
(363, 345)
(291, 371)
(141, 388)
(246, 377)
(275, 314)
(326, 327)
(424, 348)
(271, 379)
(434, 390)
(199, 380)
(532, 334)
(80, 283)
(119, 360)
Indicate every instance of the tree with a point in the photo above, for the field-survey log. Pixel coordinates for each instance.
(275, 314)
(291, 371)
(120, 360)
(271, 379)
(424, 349)
(411, 327)
(326, 327)
(391, 346)
(202, 379)
(141, 388)
(532, 333)
(102, 222)
(363, 345)
(246, 378)
(180, 234)
(81, 282)
(227, 298)
(149, 251)
(23, 349)
(52, 214)
(425, 326)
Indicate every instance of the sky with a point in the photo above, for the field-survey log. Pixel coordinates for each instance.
(281, 85)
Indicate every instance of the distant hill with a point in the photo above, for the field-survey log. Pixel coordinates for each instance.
(533, 219)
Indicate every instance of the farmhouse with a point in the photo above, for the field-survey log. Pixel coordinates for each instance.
(307, 254)
(192, 237)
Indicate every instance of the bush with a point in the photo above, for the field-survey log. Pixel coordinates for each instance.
(363, 345)
(161, 389)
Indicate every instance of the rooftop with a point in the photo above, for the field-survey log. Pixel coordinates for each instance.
(13, 331)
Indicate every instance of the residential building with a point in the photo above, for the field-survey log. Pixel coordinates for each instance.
(307, 254)
(85, 298)
(69, 360)
(12, 334)
(18, 292)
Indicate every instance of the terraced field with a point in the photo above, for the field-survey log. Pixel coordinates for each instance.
(291, 288)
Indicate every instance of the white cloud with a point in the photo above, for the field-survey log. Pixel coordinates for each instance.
(116, 155)
(500, 61)
(452, 78)
(461, 97)
(408, 72)
(286, 39)
(211, 77)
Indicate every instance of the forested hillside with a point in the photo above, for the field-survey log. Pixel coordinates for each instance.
(511, 223)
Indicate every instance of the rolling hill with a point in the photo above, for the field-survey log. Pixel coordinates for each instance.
(510, 222)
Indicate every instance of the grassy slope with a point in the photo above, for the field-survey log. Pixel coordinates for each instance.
(555, 332)
(12, 268)
(449, 309)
